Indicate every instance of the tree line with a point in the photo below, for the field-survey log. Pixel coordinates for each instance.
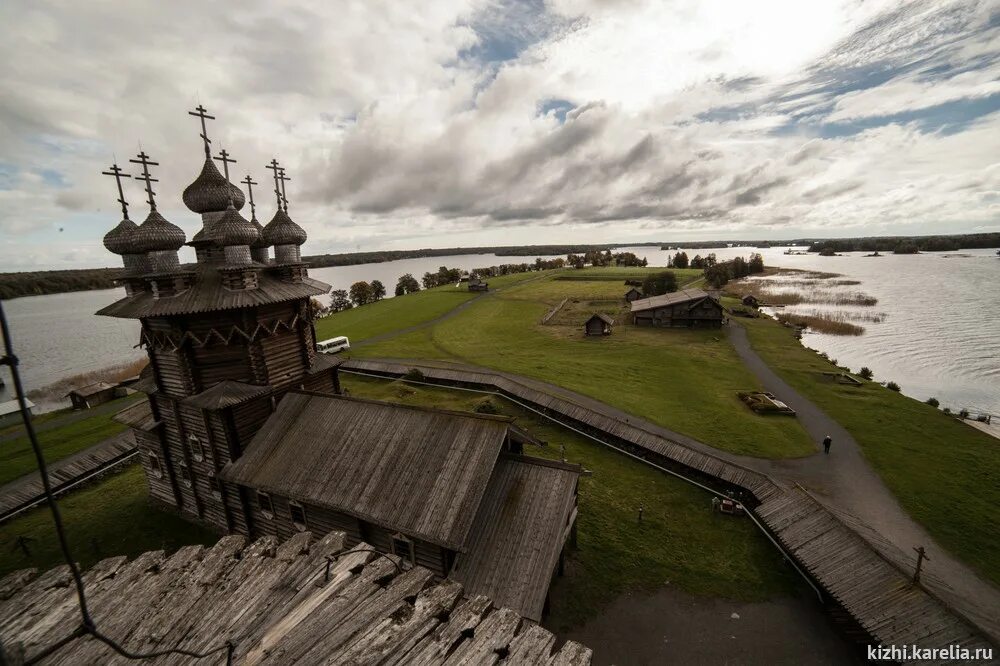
(907, 244)
(604, 258)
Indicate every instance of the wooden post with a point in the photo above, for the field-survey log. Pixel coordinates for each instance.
(641, 508)
(921, 556)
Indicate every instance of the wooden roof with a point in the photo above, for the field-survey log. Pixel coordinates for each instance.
(519, 532)
(276, 605)
(417, 470)
(225, 394)
(139, 416)
(323, 362)
(11, 406)
(92, 389)
(603, 317)
(208, 294)
(673, 298)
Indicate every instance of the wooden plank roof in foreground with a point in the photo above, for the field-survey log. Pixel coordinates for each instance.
(417, 470)
(673, 298)
(523, 522)
(276, 604)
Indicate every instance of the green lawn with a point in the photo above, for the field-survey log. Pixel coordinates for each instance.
(681, 379)
(393, 314)
(17, 459)
(945, 474)
(112, 517)
(680, 541)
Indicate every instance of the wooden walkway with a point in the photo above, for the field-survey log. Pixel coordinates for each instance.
(876, 600)
(25, 492)
(297, 602)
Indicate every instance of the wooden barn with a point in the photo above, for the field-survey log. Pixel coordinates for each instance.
(244, 430)
(598, 324)
(689, 308)
(92, 395)
(475, 284)
(633, 294)
(750, 301)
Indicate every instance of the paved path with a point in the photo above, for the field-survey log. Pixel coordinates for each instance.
(845, 482)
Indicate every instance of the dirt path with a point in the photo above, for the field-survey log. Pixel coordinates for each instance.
(845, 482)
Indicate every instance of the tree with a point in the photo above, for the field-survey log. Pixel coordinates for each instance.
(681, 260)
(659, 283)
(906, 247)
(361, 293)
(756, 263)
(316, 306)
(378, 290)
(407, 284)
(866, 373)
(339, 300)
(429, 280)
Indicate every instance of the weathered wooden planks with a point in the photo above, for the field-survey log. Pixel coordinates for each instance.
(277, 603)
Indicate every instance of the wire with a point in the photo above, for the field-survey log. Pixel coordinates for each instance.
(87, 624)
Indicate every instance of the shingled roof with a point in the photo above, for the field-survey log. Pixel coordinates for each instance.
(225, 394)
(417, 470)
(673, 298)
(276, 604)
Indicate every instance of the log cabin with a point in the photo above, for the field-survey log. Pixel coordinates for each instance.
(633, 294)
(688, 308)
(92, 395)
(598, 324)
(475, 284)
(245, 429)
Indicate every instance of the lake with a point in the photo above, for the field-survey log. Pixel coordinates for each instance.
(938, 336)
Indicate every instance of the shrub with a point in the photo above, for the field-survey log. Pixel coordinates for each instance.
(963, 414)
(933, 402)
(414, 375)
(892, 386)
(866, 373)
(486, 406)
(947, 410)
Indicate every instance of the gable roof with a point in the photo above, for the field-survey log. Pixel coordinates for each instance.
(139, 416)
(417, 470)
(603, 317)
(673, 298)
(225, 394)
(92, 389)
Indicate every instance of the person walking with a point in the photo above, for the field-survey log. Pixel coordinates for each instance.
(827, 441)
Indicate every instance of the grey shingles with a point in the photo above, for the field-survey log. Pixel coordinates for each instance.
(672, 298)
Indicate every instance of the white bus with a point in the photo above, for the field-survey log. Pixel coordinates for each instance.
(333, 345)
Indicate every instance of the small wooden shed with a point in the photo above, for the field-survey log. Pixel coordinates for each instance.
(92, 395)
(632, 294)
(475, 284)
(598, 324)
(10, 412)
(751, 301)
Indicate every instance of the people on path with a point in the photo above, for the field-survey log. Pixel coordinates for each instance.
(827, 441)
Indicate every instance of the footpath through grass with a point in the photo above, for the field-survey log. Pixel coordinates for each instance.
(680, 541)
(945, 473)
(111, 517)
(685, 380)
(17, 459)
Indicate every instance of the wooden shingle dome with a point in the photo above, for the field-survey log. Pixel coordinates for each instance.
(119, 239)
(155, 234)
(281, 230)
(233, 229)
(210, 192)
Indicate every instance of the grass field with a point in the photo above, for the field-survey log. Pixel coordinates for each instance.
(17, 459)
(111, 517)
(685, 380)
(680, 540)
(945, 474)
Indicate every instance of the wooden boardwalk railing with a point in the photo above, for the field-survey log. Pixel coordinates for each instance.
(882, 604)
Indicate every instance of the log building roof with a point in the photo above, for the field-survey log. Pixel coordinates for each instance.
(225, 394)
(664, 300)
(519, 532)
(276, 603)
(417, 470)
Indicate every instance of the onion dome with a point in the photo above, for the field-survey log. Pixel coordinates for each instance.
(119, 239)
(260, 242)
(211, 192)
(233, 229)
(282, 231)
(156, 234)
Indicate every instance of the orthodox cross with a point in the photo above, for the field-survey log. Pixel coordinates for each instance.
(921, 556)
(144, 161)
(250, 183)
(283, 179)
(226, 161)
(273, 166)
(119, 174)
(201, 112)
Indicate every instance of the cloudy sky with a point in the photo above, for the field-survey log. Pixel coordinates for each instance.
(470, 122)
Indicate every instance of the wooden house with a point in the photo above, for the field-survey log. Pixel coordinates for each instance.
(633, 294)
(690, 308)
(10, 412)
(244, 430)
(92, 395)
(475, 284)
(750, 301)
(598, 324)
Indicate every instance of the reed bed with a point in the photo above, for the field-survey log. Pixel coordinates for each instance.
(821, 323)
(112, 374)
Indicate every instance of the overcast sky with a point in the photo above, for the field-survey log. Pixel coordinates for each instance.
(467, 122)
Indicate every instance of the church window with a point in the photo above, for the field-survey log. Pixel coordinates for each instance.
(403, 547)
(196, 447)
(265, 504)
(154, 464)
(214, 485)
(185, 475)
(298, 515)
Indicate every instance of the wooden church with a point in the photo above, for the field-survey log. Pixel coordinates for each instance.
(245, 429)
